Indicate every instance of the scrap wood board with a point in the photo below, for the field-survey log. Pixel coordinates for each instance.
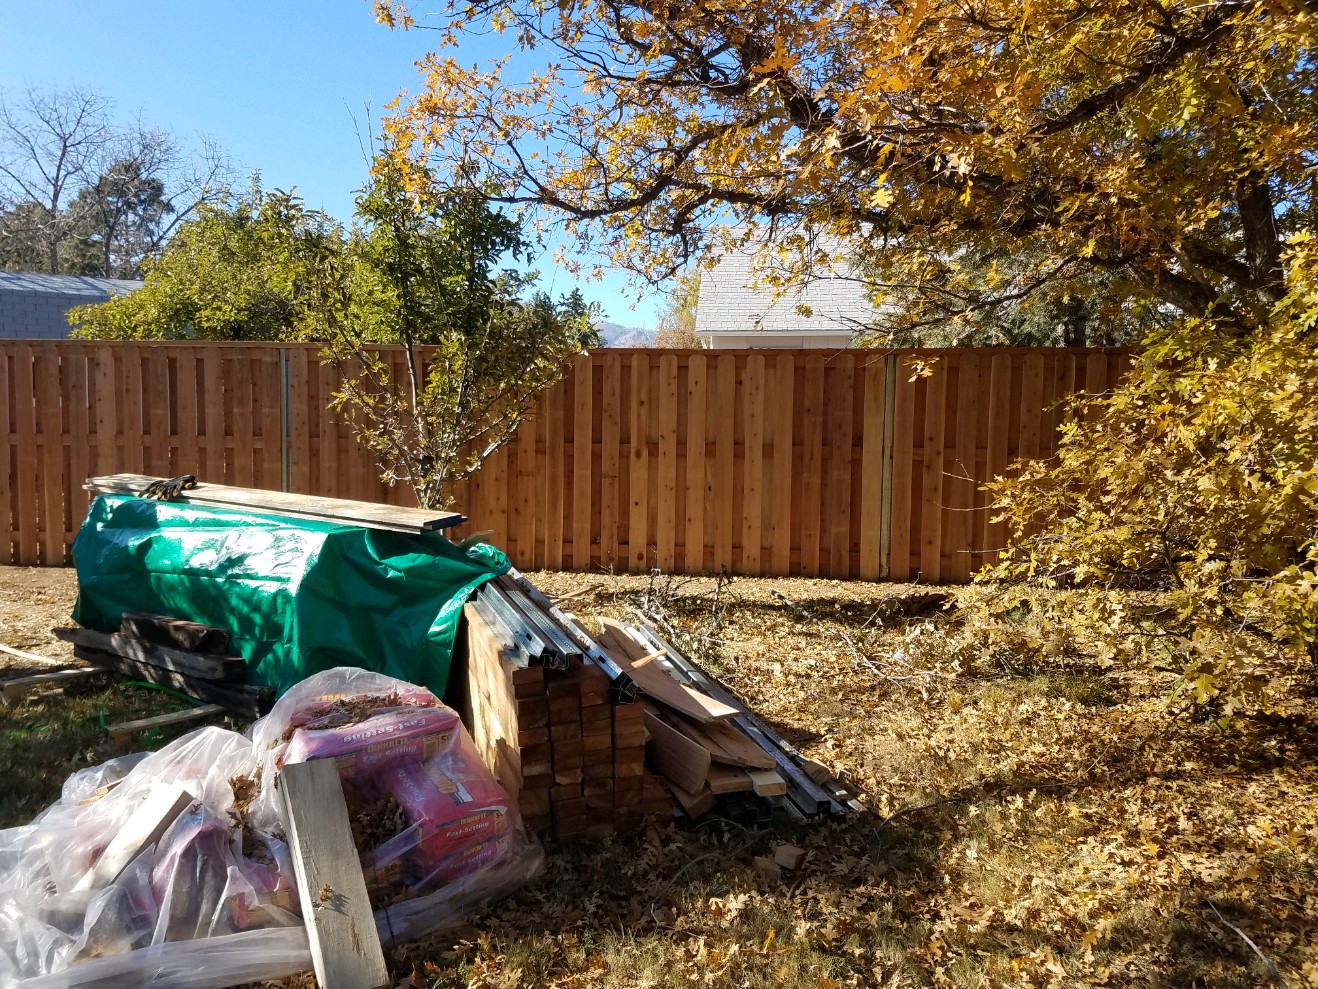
(364, 513)
(244, 699)
(345, 945)
(16, 688)
(725, 743)
(122, 734)
(194, 664)
(149, 820)
(658, 685)
(684, 762)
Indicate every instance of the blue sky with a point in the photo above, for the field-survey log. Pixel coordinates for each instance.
(282, 86)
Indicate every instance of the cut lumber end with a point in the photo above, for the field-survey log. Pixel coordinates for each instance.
(789, 856)
(767, 783)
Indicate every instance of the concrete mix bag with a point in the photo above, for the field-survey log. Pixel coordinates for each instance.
(213, 902)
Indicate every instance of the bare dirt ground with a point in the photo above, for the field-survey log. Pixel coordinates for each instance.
(33, 600)
(1034, 822)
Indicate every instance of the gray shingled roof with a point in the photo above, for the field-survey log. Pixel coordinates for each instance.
(32, 305)
(730, 302)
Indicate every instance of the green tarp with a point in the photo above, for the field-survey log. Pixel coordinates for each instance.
(299, 596)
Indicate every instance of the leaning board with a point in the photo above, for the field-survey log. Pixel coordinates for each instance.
(363, 513)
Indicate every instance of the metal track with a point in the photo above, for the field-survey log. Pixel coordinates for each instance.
(624, 689)
(552, 633)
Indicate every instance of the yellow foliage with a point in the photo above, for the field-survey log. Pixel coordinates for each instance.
(1198, 482)
(1155, 139)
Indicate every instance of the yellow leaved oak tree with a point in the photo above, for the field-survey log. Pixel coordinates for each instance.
(1158, 153)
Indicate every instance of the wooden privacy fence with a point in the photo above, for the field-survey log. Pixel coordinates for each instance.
(836, 464)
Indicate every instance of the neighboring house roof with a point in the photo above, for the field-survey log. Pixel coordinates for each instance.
(32, 305)
(731, 304)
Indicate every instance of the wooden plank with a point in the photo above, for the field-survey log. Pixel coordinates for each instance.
(685, 762)
(132, 420)
(555, 475)
(697, 398)
(210, 416)
(659, 686)
(582, 460)
(345, 946)
(21, 686)
(106, 413)
(903, 472)
(121, 734)
(694, 805)
(752, 500)
(148, 822)
(666, 493)
(521, 506)
(79, 386)
(299, 420)
(780, 534)
(838, 503)
(725, 462)
(931, 483)
(268, 392)
(638, 537)
(188, 462)
(177, 633)
(871, 472)
(31, 657)
(725, 743)
(26, 462)
(610, 452)
(960, 482)
(249, 701)
(999, 422)
(188, 664)
(156, 394)
(729, 779)
(368, 514)
(6, 462)
(812, 466)
(50, 420)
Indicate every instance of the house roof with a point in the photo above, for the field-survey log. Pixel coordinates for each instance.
(33, 305)
(33, 281)
(731, 302)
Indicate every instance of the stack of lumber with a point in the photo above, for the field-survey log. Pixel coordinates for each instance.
(181, 655)
(570, 754)
(592, 733)
(812, 788)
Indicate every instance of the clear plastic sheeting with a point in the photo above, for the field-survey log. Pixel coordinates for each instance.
(213, 902)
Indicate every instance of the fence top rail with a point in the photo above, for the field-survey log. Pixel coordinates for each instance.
(826, 352)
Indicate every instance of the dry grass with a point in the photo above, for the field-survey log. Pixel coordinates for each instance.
(1041, 825)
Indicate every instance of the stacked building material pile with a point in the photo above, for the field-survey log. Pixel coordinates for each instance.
(556, 738)
(595, 732)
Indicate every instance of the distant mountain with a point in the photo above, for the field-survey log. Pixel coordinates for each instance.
(617, 335)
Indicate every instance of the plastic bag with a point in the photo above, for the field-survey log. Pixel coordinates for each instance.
(213, 902)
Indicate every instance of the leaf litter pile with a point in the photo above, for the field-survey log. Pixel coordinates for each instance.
(1034, 823)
